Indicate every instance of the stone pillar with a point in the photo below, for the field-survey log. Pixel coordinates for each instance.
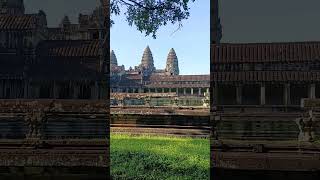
(37, 91)
(55, 90)
(214, 97)
(156, 90)
(149, 90)
(162, 90)
(262, 94)
(287, 94)
(75, 91)
(191, 91)
(96, 86)
(127, 90)
(1, 89)
(94, 93)
(239, 94)
(199, 92)
(312, 93)
(184, 91)
(25, 90)
(170, 90)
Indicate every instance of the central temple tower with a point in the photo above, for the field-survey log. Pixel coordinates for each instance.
(147, 64)
(172, 66)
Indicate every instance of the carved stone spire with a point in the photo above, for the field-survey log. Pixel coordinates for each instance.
(147, 59)
(172, 65)
(113, 58)
(65, 22)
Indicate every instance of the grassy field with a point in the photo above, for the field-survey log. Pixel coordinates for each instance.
(156, 157)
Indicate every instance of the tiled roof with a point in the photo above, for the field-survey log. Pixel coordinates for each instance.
(265, 52)
(19, 22)
(156, 78)
(202, 85)
(266, 76)
(69, 48)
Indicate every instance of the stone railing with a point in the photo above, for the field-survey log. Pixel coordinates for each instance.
(39, 118)
(297, 124)
(50, 132)
(156, 99)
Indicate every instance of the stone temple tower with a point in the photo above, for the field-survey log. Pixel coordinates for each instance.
(12, 7)
(172, 66)
(147, 60)
(113, 59)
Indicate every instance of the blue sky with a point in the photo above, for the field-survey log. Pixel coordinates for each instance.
(191, 42)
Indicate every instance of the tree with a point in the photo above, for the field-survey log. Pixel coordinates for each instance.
(149, 15)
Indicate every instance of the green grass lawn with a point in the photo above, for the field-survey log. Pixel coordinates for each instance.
(159, 157)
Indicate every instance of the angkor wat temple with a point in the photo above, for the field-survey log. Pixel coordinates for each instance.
(145, 78)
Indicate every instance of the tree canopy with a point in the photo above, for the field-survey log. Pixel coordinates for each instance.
(149, 15)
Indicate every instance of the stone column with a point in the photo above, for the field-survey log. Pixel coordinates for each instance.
(262, 94)
(170, 90)
(55, 90)
(214, 97)
(184, 91)
(13, 90)
(25, 90)
(287, 94)
(75, 91)
(177, 91)
(312, 93)
(162, 90)
(191, 91)
(96, 86)
(1, 88)
(199, 92)
(149, 90)
(239, 94)
(94, 93)
(156, 90)
(37, 91)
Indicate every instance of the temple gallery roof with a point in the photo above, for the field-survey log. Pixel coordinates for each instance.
(19, 22)
(69, 48)
(157, 78)
(265, 52)
(266, 76)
